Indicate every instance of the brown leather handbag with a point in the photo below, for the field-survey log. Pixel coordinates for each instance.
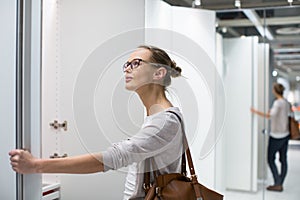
(294, 129)
(293, 126)
(177, 186)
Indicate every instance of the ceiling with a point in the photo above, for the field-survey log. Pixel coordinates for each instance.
(276, 22)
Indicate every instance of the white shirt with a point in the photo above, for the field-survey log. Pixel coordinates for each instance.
(279, 118)
(161, 138)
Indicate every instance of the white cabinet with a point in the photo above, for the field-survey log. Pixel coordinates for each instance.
(74, 31)
(240, 128)
(8, 96)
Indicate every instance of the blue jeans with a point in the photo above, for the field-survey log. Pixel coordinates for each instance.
(281, 146)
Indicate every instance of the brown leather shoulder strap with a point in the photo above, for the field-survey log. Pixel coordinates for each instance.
(183, 162)
(189, 158)
(186, 145)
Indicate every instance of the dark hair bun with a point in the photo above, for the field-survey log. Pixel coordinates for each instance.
(175, 70)
(279, 88)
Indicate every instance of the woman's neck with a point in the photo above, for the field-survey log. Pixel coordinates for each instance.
(278, 96)
(153, 98)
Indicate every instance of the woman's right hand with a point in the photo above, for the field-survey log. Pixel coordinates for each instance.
(22, 161)
(252, 110)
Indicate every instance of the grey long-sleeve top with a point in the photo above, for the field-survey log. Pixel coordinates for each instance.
(160, 138)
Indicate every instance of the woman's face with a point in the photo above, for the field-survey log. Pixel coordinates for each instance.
(142, 75)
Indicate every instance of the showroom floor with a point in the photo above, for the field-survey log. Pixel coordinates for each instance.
(291, 185)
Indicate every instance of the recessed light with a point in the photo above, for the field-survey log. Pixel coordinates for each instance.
(274, 73)
(197, 2)
(288, 31)
(237, 3)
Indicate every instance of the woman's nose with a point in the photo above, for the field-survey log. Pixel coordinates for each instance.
(127, 69)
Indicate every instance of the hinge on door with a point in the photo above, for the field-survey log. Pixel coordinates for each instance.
(55, 155)
(57, 125)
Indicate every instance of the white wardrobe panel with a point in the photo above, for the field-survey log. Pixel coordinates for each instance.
(194, 31)
(8, 96)
(240, 128)
(50, 81)
(83, 36)
(262, 104)
(219, 104)
(158, 14)
(199, 26)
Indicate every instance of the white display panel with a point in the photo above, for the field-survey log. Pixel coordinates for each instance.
(8, 96)
(240, 129)
(74, 31)
(20, 105)
(197, 27)
(263, 105)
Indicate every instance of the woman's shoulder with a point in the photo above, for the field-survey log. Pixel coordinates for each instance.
(171, 114)
(279, 101)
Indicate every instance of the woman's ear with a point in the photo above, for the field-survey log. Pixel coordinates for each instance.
(160, 73)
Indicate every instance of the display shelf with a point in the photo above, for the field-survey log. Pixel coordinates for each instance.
(51, 191)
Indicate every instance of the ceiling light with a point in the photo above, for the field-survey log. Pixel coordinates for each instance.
(196, 3)
(288, 31)
(224, 30)
(274, 73)
(279, 63)
(237, 3)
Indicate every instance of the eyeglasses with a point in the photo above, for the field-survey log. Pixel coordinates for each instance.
(135, 63)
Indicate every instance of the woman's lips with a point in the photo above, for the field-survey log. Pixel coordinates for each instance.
(128, 79)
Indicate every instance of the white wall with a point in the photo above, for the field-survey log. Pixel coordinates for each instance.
(240, 129)
(8, 96)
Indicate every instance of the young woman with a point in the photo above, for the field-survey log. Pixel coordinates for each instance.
(279, 136)
(147, 72)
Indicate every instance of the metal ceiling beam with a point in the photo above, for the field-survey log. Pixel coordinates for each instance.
(233, 32)
(235, 23)
(255, 19)
(268, 21)
(247, 5)
(286, 56)
(286, 50)
(282, 20)
(185, 3)
(287, 62)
